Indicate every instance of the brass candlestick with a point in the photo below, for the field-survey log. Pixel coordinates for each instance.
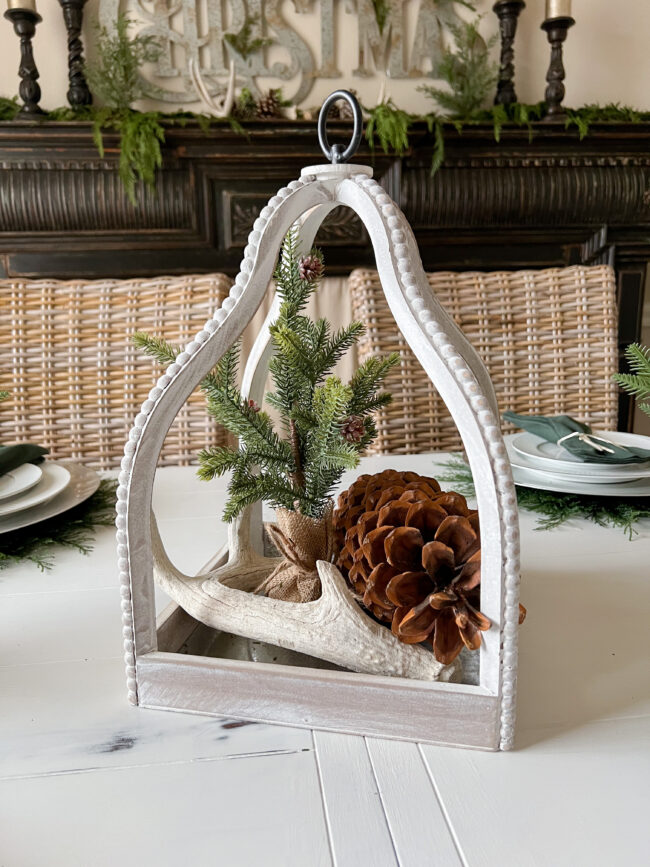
(556, 32)
(507, 12)
(25, 21)
(78, 92)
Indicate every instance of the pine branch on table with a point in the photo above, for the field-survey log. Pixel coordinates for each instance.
(556, 508)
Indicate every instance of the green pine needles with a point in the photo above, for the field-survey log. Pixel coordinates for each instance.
(9, 108)
(613, 112)
(72, 529)
(390, 125)
(114, 77)
(467, 71)
(382, 11)
(114, 74)
(555, 508)
(325, 423)
(243, 42)
(637, 383)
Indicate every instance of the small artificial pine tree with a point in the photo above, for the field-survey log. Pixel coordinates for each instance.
(637, 382)
(468, 71)
(326, 424)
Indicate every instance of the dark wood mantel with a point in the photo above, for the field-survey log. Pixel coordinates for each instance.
(532, 200)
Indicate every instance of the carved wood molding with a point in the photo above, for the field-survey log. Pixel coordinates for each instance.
(59, 196)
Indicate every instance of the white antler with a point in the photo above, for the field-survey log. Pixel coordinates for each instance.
(218, 108)
(383, 93)
(333, 627)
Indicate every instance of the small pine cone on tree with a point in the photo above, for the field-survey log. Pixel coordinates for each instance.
(269, 106)
(310, 268)
(412, 554)
(353, 429)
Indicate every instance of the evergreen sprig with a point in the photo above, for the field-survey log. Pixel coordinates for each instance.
(557, 508)
(467, 71)
(612, 112)
(298, 468)
(243, 42)
(9, 108)
(114, 74)
(382, 11)
(72, 529)
(390, 125)
(637, 383)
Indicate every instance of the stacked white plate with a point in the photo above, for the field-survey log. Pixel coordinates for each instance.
(538, 463)
(35, 492)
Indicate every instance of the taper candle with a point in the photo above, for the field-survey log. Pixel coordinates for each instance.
(22, 4)
(558, 9)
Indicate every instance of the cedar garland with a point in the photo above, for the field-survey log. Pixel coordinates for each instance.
(557, 508)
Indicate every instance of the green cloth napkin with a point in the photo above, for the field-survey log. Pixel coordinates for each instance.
(22, 453)
(589, 449)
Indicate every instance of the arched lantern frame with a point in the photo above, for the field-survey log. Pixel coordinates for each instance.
(480, 715)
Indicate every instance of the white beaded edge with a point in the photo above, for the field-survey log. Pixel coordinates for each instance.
(208, 331)
(395, 223)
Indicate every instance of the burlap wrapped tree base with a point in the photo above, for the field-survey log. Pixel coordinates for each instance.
(301, 541)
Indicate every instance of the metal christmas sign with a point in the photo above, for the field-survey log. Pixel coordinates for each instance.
(200, 31)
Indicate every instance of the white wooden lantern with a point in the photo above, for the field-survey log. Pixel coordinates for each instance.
(396, 690)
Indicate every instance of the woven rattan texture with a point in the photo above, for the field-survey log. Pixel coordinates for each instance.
(548, 339)
(76, 380)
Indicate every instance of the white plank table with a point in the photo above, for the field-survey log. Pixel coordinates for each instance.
(87, 781)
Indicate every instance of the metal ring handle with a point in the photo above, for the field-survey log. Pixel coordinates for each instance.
(335, 153)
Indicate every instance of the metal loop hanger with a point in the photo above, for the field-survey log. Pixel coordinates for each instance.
(336, 153)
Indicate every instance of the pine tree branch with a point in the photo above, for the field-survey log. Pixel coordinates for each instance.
(337, 346)
(155, 347)
(636, 383)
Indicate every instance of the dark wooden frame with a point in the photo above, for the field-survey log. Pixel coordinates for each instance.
(538, 198)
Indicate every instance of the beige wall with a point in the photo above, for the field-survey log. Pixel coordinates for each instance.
(607, 57)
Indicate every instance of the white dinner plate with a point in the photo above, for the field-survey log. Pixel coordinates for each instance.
(83, 483)
(19, 480)
(55, 479)
(519, 462)
(542, 482)
(533, 452)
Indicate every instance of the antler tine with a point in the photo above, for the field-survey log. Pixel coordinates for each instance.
(333, 627)
(202, 90)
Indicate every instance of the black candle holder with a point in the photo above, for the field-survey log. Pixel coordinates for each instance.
(556, 32)
(78, 92)
(25, 21)
(507, 11)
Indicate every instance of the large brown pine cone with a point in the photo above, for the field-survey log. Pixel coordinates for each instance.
(412, 554)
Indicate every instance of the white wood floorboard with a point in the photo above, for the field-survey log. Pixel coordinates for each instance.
(250, 812)
(73, 716)
(415, 819)
(51, 627)
(357, 825)
(87, 781)
(575, 797)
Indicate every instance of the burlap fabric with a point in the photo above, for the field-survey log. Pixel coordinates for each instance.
(301, 541)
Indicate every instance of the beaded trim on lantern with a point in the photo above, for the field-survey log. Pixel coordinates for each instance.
(397, 226)
(399, 235)
(173, 370)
